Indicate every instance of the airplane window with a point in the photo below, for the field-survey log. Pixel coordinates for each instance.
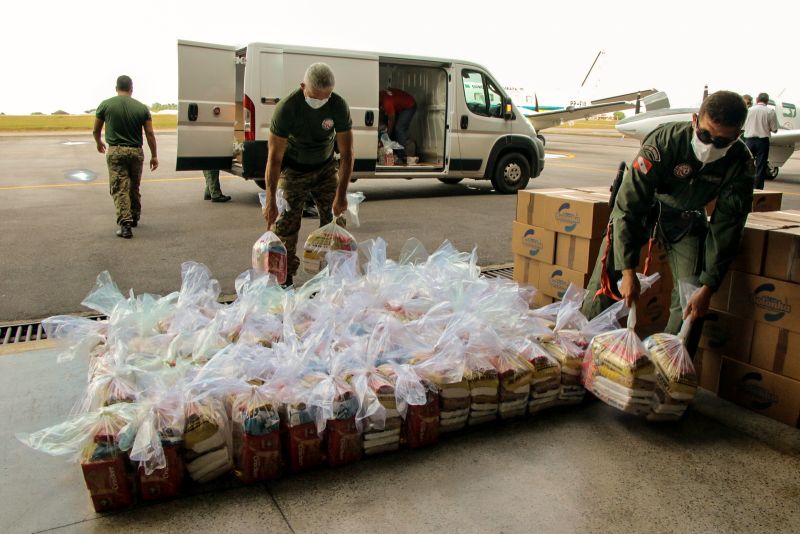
(474, 92)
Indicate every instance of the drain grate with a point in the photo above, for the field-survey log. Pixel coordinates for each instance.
(33, 331)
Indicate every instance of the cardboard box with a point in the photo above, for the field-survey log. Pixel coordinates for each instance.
(555, 279)
(652, 308)
(540, 299)
(708, 365)
(763, 201)
(765, 300)
(577, 253)
(526, 270)
(727, 334)
(533, 242)
(721, 299)
(763, 392)
(526, 202)
(783, 255)
(750, 258)
(776, 350)
(575, 213)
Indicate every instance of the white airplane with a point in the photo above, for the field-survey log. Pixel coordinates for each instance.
(658, 111)
(548, 116)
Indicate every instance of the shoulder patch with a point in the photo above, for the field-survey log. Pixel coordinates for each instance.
(650, 152)
(642, 164)
(682, 170)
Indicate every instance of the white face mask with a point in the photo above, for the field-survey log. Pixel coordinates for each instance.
(316, 103)
(707, 153)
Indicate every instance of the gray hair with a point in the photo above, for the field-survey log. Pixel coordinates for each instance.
(319, 76)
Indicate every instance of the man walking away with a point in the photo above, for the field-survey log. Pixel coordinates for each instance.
(761, 123)
(124, 118)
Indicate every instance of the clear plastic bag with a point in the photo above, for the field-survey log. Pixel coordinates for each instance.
(323, 240)
(269, 256)
(105, 296)
(207, 437)
(76, 336)
(354, 200)
(676, 379)
(619, 371)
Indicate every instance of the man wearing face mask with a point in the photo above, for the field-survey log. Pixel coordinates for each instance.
(681, 166)
(304, 127)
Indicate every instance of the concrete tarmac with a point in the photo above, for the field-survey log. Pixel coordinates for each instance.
(58, 235)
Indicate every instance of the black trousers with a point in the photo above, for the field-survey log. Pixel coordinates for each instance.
(759, 147)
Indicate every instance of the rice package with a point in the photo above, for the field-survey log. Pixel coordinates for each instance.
(619, 371)
(269, 256)
(325, 239)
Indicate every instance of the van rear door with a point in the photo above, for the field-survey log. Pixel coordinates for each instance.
(206, 106)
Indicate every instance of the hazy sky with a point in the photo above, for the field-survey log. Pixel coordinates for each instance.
(67, 55)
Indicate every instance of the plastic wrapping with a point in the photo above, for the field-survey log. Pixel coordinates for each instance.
(76, 336)
(269, 256)
(207, 437)
(354, 200)
(676, 379)
(323, 240)
(619, 371)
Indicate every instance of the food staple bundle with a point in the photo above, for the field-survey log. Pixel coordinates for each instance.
(369, 356)
(320, 242)
(269, 256)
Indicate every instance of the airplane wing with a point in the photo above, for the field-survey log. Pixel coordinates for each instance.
(627, 96)
(785, 138)
(548, 119)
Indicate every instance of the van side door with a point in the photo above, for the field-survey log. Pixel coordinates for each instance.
(206, 106)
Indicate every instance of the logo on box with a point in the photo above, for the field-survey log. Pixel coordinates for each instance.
(569, 219)
(535, 244)
(759, 397)
(775, 308)
(559, 283)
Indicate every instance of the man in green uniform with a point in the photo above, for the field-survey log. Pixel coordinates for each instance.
(681, 166)
(213, 190)
(300, 161)
(125, 118)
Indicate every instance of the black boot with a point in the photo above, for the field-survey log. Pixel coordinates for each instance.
(221, 198)
(125, 231)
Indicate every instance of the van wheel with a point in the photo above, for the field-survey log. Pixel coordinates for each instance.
(450, 181)
(511, 174)
(261, 183)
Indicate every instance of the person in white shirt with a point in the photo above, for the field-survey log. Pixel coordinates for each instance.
(761, 123)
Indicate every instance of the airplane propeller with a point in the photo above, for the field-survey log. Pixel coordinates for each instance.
(705, 92)
(638, 103)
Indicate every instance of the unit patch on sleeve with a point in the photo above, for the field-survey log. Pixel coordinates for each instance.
(642, 164)
(650, 152)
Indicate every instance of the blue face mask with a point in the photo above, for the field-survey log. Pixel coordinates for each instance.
(316, 103)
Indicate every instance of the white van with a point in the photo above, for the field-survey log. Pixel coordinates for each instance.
(465, 125)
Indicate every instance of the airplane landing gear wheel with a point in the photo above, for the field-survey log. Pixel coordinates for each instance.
(772, 172)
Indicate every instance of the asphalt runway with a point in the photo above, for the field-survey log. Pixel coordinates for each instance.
(57, 235)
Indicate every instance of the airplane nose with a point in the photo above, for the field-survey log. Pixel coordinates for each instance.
(626, 129)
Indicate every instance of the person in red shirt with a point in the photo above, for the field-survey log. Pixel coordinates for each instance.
(400, 108)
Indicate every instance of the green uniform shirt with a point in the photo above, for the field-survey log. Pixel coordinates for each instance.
(310, 132)
(667, 170)
(124, 117)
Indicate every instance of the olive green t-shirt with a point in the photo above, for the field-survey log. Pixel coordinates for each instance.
(124, 117)
(310, 132)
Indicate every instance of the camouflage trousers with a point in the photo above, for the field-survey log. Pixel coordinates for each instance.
(321, 185)
(213, 189)
(125, 176)
(683, 257)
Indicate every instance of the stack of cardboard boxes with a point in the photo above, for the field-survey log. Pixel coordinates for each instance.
(556, 240)
(750, 348)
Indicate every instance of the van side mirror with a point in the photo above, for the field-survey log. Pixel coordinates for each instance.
(508, 110)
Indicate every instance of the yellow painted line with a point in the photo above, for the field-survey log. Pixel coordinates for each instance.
(95, 183)
(583, 167)
(17, 348)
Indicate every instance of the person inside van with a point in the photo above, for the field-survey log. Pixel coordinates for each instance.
(399, 107)
(304, 127)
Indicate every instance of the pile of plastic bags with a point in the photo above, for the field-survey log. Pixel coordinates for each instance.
(369, 356)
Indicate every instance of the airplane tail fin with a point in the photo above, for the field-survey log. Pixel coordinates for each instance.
(655, 101)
